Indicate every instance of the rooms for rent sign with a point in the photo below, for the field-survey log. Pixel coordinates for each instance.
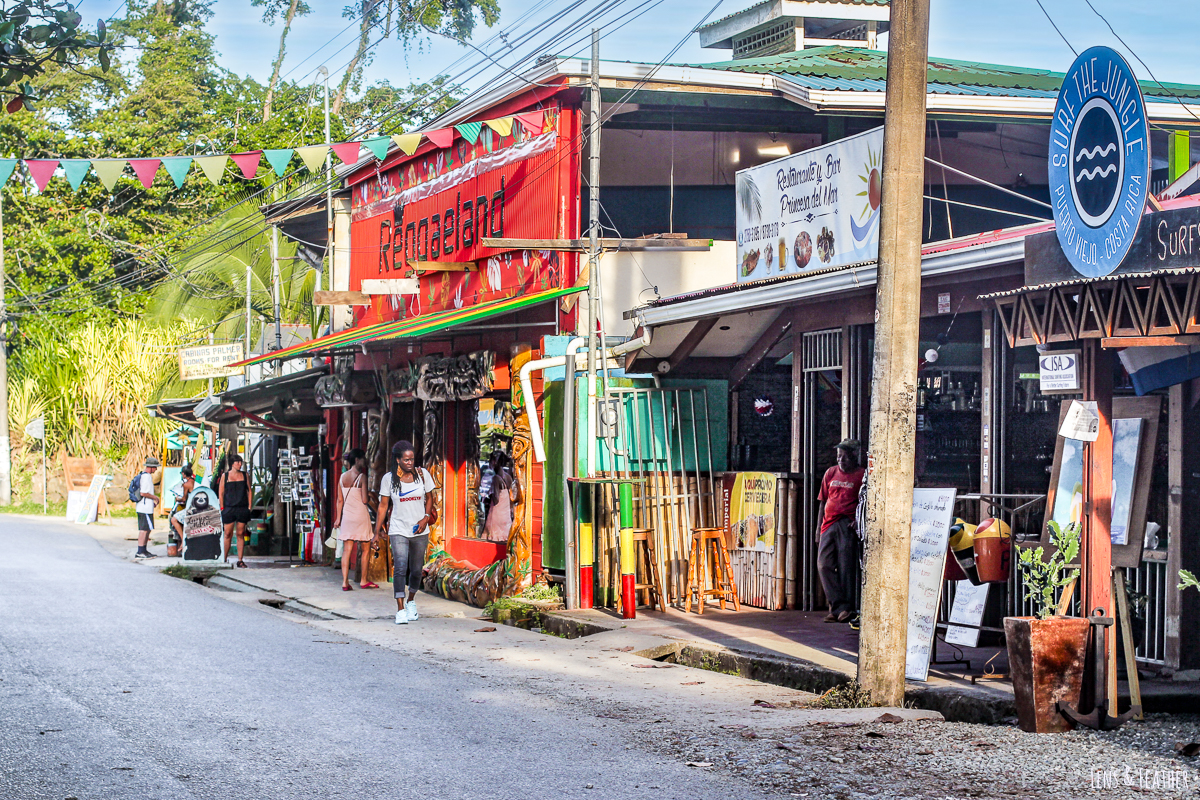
(811, 210)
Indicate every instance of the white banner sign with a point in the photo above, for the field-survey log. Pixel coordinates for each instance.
(811, 210)
(209, 361)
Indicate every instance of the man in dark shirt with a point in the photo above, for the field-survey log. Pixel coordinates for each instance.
(837, 551)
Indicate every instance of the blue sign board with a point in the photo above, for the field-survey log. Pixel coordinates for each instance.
(1099, 161)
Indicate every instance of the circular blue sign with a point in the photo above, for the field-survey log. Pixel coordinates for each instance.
(1099, 161)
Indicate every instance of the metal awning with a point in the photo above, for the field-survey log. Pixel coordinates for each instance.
(286, 395)
(413, 327)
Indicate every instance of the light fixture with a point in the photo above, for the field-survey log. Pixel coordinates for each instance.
(774, 150)
(735, 157)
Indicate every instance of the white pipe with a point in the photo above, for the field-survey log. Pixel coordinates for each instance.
(535, 427)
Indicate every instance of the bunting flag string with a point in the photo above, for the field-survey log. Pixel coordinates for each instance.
(214, 167)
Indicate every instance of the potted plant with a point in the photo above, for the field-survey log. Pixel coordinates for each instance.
(1047, 652)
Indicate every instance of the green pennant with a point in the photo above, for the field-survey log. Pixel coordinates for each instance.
(469, 130)
(378, 146)
(177, 167)
(279, 160)
(76, 170)
(7, 165)
(108, 170)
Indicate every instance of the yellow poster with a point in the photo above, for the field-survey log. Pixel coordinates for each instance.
(750, 510)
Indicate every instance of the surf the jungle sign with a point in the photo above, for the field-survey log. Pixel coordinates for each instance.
(1099, 162)
(810, 210)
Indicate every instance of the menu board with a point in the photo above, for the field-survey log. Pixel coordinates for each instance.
(932, 513)
(969, 603)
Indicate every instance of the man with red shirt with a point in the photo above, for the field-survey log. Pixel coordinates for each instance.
(837, 552)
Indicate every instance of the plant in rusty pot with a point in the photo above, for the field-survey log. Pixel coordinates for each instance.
(1046, 652)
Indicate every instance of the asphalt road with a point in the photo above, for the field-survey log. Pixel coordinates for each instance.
(118, 682)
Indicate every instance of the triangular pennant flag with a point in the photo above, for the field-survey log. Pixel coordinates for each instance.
(407, 142)
(145, 169)
(177, 167)
(7, 165)
(213, 167)
(40, 169)
(108, 170)
(532, 121)
(279, 160)
(443, 137)
(378, 146)
(502, 126)
(469, 130)
(247, 163)
(348, 151)
(77, 170)
(313, 156)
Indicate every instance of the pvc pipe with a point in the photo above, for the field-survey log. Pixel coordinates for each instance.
(568, 471)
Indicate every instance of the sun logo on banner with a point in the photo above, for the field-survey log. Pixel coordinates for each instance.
(872, 192)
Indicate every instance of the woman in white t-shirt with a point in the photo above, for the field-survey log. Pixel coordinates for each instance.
(406, 508)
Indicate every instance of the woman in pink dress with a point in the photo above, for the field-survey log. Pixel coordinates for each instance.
(353, 520)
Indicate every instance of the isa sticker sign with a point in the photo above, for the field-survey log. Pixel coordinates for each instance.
(1099, 161)
(811, 210)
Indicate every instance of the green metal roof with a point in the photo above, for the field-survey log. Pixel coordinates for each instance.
(855, 63)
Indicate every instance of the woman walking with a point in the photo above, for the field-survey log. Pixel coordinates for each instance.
(407, 493)
(236, 496)
(353, 519)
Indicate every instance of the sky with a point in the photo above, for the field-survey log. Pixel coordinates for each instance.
(1015, 32)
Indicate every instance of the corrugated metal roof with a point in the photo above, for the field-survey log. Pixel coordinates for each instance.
(822, 83)
(1082, 281)
(839, 62)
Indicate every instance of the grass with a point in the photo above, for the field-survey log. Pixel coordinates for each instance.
(848, 695)
(59, 509)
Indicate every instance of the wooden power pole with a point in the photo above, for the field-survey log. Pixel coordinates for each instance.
(882, 645)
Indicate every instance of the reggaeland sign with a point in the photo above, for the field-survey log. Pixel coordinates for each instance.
(1099, 161)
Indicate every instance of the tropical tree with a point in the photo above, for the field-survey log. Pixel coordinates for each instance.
(289, 10)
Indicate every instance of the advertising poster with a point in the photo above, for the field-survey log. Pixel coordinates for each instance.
(750, 510)
(811, 210)
(202, 526)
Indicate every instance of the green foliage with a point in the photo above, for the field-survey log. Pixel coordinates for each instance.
(1187, 580)
(35, 34)
(1042, 575)
(848, 695)
(542, 591)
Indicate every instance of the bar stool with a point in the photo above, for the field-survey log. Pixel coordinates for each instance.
(700, 567)
(643, 543)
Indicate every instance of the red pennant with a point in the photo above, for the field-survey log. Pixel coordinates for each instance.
(347, 151)
(247, 163)
(40, 169)
(441, 138)
(532, 121)
(145, 169)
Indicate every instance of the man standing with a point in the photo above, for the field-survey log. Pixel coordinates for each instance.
(145, 507)
(837, 552)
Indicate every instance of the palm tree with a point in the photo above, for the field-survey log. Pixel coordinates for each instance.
(208, 291)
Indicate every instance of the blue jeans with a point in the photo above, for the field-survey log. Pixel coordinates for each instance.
(408, 559)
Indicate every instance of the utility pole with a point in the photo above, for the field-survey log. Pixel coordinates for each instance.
(883, 641)
(328, 197)
(249, 329)
(275, 280)
(593, 303)
(5, 452)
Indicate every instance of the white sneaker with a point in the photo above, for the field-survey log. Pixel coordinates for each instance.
(402, 617)
(411, 606)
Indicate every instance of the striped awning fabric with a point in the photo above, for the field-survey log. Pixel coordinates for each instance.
(412, 327)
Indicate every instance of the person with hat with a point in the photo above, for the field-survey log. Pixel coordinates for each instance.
(145, 507)
(837, 551)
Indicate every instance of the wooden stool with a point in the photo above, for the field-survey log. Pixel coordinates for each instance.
(700, 568)
(643, 543)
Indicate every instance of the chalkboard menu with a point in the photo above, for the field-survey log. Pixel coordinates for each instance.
(932, 513)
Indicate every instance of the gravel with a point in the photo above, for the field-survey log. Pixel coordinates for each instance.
(933, 759)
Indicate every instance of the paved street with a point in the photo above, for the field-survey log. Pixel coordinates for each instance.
(119, 682)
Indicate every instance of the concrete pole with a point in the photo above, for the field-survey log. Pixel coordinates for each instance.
(882, 644)
(593, 305)
(328, 201)
(5, 453)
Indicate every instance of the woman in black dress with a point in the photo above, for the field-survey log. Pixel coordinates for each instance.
(236, 495)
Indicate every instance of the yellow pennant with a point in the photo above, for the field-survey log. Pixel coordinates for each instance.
(408, 142)
(502, 126)
(213, 167)
(108, 170)
(314, 156)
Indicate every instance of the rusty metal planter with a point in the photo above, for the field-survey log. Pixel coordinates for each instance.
(1046, 659)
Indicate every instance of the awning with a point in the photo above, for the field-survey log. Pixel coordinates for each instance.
(289, 399)
(411, 327)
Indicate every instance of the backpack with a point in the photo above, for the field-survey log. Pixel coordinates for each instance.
(135, 489)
